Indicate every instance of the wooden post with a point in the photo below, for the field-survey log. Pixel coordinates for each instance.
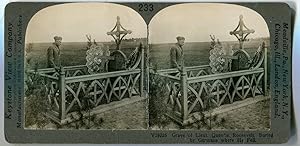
(183, 100)
(265, 82)
(142, 70)
(62, 97)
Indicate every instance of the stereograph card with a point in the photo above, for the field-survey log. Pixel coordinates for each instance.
(147, 72)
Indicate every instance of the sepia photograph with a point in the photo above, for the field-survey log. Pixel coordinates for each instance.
(209, 68)
(148, 72)
(84, 68)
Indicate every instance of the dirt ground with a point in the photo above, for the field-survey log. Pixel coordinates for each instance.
(255, 116)
(252, 117)
(134, 116)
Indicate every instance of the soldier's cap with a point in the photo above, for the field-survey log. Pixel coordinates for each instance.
(57, 38)
(180, 38)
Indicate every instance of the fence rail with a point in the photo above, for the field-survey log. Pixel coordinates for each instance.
(223, 75)
(188, 95)
(195, 89)
(101, 88)
(101, 75)
(216, 89)
(72, 87)
(192, 71)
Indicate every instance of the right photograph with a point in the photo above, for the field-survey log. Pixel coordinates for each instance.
(209, 68)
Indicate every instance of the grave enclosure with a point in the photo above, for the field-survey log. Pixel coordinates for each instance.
(196, 92)
(194, 89)
(73, 88)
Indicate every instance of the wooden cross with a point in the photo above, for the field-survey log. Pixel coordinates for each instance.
(118, 33)
(240, 33)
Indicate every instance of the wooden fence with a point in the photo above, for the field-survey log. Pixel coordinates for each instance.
(72, 88)
(195, 89)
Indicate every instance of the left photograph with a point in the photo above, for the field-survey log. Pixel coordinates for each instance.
(85, 68)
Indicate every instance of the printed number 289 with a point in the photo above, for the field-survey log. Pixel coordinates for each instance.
(146, 7)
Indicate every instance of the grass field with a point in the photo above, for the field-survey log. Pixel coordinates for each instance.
(196, 53)
(72, 53)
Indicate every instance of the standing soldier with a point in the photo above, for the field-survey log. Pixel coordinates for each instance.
(53, 53)
(176, 53)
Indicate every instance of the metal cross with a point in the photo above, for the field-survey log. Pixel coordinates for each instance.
(240, 33)
(118, 33)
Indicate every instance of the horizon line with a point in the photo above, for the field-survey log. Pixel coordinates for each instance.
(149, 43)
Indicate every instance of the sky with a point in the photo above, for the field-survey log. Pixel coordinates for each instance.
(197, 21)
(73, 21)
(193, 21)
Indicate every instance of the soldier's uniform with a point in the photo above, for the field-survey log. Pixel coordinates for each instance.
(176, 56)
(53, 54)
